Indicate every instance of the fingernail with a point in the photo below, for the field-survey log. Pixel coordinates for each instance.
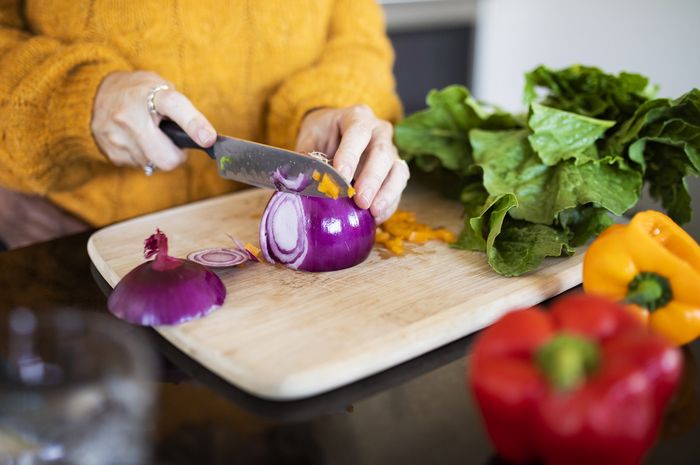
(346, 173)
(366, 196)
(205, 136)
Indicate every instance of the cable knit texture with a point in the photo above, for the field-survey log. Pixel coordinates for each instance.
(254, 68)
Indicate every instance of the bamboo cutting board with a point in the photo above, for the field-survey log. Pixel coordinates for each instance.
(284, 334)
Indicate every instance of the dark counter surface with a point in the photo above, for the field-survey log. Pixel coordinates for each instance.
(416, 413)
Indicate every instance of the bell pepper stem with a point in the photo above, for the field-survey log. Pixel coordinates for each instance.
(649, 290)
(567, 360)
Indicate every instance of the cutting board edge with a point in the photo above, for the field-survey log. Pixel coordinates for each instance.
(306, 384)
(101, 263)
(98, 261)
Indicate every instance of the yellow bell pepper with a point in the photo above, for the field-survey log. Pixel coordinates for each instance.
(653, 265)
(402, 226)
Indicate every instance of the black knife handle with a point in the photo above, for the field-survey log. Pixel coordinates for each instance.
(181, 139)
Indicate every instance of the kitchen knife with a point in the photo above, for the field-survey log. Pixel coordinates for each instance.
(261, 165)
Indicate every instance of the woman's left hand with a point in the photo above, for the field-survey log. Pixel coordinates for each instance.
(360, 146)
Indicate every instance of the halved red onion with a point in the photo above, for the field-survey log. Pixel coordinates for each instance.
(219, 257)
(314, 233)
(166, 290)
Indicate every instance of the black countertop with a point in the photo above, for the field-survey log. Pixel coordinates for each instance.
(416, 413)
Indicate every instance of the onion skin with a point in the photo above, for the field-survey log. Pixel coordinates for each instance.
(167, 290)
(328, 234)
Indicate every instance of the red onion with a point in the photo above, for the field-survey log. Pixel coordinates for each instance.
(219, 257)
(166, 290)
(314, 233)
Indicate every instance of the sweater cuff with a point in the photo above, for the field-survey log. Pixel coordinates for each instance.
(292, 102)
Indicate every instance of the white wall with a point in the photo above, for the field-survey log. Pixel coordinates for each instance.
(658, 38)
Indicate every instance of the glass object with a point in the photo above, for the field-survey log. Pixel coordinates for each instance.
(75, 388)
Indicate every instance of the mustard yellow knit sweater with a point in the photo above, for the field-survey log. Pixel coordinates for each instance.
(253, 67)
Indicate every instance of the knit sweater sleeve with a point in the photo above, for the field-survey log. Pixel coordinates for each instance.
(47, 88)
(355, 67)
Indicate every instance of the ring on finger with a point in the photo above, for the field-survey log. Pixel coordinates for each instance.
(151, 99)
(149, 169)
(321, 156)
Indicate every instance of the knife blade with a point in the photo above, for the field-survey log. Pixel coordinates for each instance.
(262, 165)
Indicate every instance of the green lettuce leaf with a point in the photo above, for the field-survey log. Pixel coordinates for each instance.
(679, 126)
(583, 223)
(438, 136)
(473, 197)
(440, 133)
(481, 229)
(663, 138)
(511, 167)
(617, 143)
(589, 91)
(541, 184)
(521, 247)
(512, 247)
(560, 135)
(667, 168)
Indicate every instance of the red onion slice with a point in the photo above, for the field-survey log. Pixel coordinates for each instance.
(314, 233)
(218, 257)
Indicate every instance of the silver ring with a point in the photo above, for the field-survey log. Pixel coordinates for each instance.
(321, 157)
(149, 169)
(151, 99)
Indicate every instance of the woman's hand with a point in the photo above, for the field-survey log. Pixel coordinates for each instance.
(361, 147)
(128, 133)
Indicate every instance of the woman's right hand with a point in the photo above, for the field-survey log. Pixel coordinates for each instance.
(128, 133)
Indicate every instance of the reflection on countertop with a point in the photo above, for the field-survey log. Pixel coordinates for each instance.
(419, 412)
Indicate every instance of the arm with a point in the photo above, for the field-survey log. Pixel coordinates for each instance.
(68, 110)
(354, 68)
(341, 106)
(46, 92)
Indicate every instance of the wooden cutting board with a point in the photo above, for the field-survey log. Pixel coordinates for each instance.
(284, 334)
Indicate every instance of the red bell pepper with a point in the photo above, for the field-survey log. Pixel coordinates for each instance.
(582, 384)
